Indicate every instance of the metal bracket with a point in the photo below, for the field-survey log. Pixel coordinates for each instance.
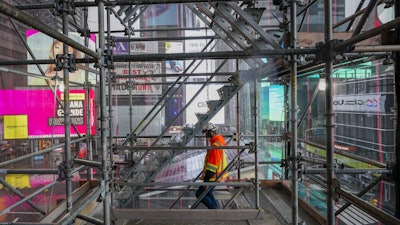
(301, 168)
(253, 184)
(285, 136)
(84, 32)
(129, 31)
(239, 163)
(111, 41)
(335, 185)
(252, 148)
(133, 137)
(111, 77)
(284, 163)
(87, 85)
(59, 64)
(70, 59)
(130, 85)
(108, 59)
(326, 52)
(71, 63)
(284, 81)
(62, 172)
(63, 6)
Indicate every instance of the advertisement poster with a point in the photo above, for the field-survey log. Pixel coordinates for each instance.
(141, 85)
(136, 48)
(359, 103)
(45, 47)
(36, 113)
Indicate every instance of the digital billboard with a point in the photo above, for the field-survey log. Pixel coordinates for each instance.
(38, 113)
(161, 15)
(46, 47)
(276, 102)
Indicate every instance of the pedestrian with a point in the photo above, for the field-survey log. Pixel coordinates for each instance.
(214, 164)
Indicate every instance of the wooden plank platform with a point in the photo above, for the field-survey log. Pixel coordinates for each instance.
(189, 214)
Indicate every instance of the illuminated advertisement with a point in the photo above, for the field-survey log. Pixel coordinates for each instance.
(276, 102)
(15, 126)
(45, 47)
(37, 114)
(161, 15)
(359, 103)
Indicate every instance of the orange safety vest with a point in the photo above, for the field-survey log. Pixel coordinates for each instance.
(215, 159)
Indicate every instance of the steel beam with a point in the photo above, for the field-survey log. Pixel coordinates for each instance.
(242, 54)
(397, 123)
(364, 17)
(215, 55)
(194, 184)
(352, 17)
(28, 171)
(330, 204)
(350, 171)
(27, 156)
(361, 193)
(182, 38)
(368, 34)
(88, 163)
(22, 196)
(111, 3)
(26, 198)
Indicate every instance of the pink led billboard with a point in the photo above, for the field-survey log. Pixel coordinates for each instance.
(45, 117)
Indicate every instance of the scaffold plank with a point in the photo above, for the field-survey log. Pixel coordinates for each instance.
(188, 214)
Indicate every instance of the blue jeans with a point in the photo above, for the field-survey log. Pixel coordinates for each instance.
(209, 199)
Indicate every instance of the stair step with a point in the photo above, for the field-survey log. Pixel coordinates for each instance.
(202, 116)
(225, 90)
(187, 131)
(213, 104)
(255, 13)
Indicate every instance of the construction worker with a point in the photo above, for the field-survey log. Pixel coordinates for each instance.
(214, 164)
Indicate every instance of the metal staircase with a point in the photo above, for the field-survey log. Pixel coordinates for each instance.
(129, 14)
(238, 27)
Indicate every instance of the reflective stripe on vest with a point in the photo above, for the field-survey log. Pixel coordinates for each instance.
(215, 161)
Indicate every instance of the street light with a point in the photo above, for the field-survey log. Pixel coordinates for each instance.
(322, 84)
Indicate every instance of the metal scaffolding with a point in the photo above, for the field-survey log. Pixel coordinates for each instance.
(247, 42)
